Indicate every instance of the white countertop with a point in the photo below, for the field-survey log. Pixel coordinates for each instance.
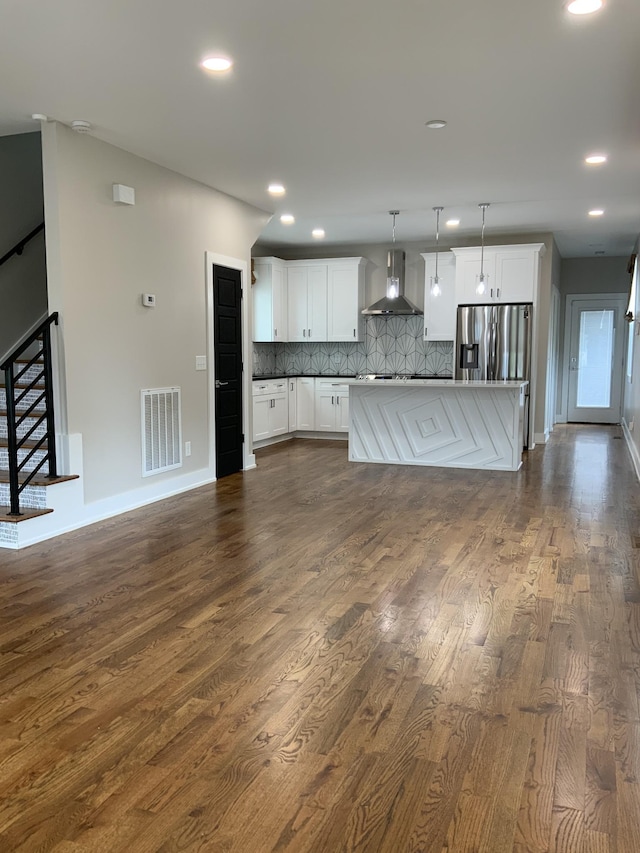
(439, 383)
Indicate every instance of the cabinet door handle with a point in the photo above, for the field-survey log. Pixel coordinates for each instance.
(332, 403)
(498, 293)
(309, 333)
(354, 333)
(425, 331)
(304, 333)
(338, 401)
(291, 386)
(491, 291)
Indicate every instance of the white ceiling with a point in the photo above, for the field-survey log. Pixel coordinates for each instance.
(331, 98)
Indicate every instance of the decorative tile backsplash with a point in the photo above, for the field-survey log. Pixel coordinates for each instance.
(390, 345)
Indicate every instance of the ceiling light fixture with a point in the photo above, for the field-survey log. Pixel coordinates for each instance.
(318, 233)
(81, 126)
(596, 212)
(276, 189)
(595, 159)
(436, 123)
(482, 278)
(216, 63)
(287, 219)
(452, 223)
(435, 281)
(584, 7)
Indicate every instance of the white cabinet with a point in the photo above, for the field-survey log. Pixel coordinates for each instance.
(305, 403)
(269, 295)
(345, 299)
(292, 385)
(511, 273)
(469, 264)
(332, 406)
(270, 408)
(307, 300)
(440, 301)
(517, 274)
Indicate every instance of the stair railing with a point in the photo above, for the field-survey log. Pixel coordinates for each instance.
(15, 373)
(18, 249)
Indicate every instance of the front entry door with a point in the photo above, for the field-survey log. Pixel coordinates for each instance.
(227, 325)
(595, 360)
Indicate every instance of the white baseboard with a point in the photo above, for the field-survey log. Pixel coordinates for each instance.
(633, 450)
(71, 511)
(541, 437)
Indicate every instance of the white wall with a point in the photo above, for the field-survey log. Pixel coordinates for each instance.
(631, 403)
(102, 256)
(23, 279)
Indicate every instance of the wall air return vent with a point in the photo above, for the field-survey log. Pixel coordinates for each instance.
(161, 430)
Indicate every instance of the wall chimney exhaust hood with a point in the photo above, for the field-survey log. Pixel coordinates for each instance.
(395, 302)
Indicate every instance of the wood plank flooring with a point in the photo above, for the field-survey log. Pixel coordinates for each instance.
(318, 656)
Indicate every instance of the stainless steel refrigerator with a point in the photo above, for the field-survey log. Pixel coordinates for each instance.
(493, 342)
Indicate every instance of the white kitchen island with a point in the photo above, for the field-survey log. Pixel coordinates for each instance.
(449, 423)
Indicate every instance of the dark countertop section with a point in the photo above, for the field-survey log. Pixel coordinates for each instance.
(267, 377)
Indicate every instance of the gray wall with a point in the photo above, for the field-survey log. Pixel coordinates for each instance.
(23, 279)
(101, 257)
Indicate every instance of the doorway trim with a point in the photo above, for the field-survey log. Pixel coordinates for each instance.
(566, 349)
(211, 259)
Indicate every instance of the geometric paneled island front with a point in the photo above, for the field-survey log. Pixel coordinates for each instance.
(451, 423)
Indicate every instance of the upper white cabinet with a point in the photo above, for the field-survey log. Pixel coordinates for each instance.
(307, 301)
(269, 300)
(345, 299)
(440, 301)
(511, 273)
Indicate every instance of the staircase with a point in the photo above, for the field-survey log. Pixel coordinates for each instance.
(28, 466)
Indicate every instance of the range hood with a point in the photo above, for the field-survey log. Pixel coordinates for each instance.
(395, 302)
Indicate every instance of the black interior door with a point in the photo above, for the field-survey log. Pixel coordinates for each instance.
(227, 309)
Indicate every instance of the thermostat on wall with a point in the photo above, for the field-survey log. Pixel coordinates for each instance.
(149, 300)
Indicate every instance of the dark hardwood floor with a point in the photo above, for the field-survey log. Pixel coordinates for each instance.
(319, 656)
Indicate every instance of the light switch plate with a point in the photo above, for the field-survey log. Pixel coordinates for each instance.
(201, 362)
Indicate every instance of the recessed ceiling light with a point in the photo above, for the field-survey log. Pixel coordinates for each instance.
(287, 219)
(595, 159)
(596, 212)
(217, 63)
(276, 189)
(452, 223)
(584, 7)
(318, 233)
(436, 123)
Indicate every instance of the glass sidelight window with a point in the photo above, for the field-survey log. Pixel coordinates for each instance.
(595, 354)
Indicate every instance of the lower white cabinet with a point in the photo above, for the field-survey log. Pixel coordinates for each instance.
(292, 387)
(332, 406)
(270, 409)
(305, 403)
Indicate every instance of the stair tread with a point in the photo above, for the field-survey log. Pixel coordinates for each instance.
(39, 479)
(27, 445)
(26, 514)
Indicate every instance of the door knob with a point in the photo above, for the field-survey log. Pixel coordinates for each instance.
(220, 384)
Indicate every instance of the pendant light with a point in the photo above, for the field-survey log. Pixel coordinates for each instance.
(393, 274)
(482, 278)
(435, 281)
